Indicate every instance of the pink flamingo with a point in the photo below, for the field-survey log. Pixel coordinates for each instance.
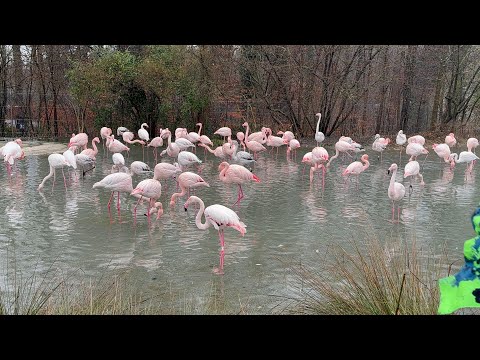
(236, 174)
(219, 217)
(275, 141)
(186, 158)
(396, 191)
(116, 146)
(204, 139)
(416, 139)
(194, 137)
(450, 140)
(341, 146)
(443, 151)
(55, 161)
(116, 182)
(92, 152)
(401, 140)
(319, 158)
(166, 171)
(465, 157)
(172, 148)
(472, 143)
(155, 143)
(380, 144)
(413, 169)
(307, 160)
(79, 140)
(149, 188)
(105, 133)
(181, 133)
(259, 136)
(241, 138)
(252, 145)
(356, 168)
(415, 149)
(128, 136)
(11, 152)
(218, 152)
(293, 146)
(224, 131)
(187, 180)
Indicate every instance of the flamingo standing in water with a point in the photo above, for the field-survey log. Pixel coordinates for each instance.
(172, 149)
(55, 161)
(218, 152)
(219, 217)
(356, 168)
(380, 144)
(413, 169)
(472, 143)
(116, 146)
(85, 161)
(12, 151)
(450, 140)
(415, 149)
(319, 136)
(194, 137)
(416, 139)
(204, 139)
(149, 188)
(307, 160)
(155, 143)
(186, 158)
(121, 130)
(443, 151)
(105, 133)
(241, 157)
(252, 145)
(241, 138)
(341, 146)
(71, 160)
(396, 191)
(166, 171)
(401, 140)
(319, 158)
(187, 181)
(293, 145)
(143, 135)
(80, 140)
(224, 131)
(465, 157)
(236, 174)
(92, 152)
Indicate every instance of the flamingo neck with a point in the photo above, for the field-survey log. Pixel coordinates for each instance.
(222, 173)
(175, 195)
(392, 180)
(199, 129)
(366, 165)
(318, 123)
(246, 134)
(94, 147)
(198, 218)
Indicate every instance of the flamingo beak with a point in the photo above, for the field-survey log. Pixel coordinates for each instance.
(388, 172)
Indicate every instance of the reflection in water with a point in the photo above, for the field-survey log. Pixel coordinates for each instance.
(286, 218)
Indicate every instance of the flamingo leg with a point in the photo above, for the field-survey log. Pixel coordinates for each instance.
(393, 210)
(110, 200)
(64, 181)
(53, 179)
(118, 202)
(398, 213)
(400, 161)
(135, 210)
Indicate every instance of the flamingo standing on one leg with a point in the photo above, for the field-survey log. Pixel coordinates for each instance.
(187, 181)
(293, 145)
(396, 191)
(413, 169)
(219, 217)
(236, 174)
(356, 167)
(149, 188)
(55, 161)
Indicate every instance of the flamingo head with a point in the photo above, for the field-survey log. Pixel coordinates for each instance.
(400, 132)
(191, 200)
(18, 141)
(136, 191)
(245, 124)
(392, 167)
(144, 124)
(364, 157)
(96, 139)
(452, 135)
(319, 115)
(198, 124)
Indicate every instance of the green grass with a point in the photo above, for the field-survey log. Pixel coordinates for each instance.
(376, 278)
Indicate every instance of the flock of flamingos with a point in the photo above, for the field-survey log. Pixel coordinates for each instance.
(234, 168)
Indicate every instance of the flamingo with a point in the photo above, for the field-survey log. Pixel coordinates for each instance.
(472, 143)
(465, 157)
(186, 158)
(180, 133)
(236, 174)
(92, 152)
(187, 181)
(79, 140)
(70, 159)
(194, 137)
(293, 146)
(85, 161)
(155, 143)
(414, 149)
(12, 151)
(396, 190)
(401, 140)
(165, 171)
(287, 135)
(218, 152)
(139, 168)
(241, 138)
(259, 136)
(319, 136)
(341, 146)
(307, 160)
(128, 136)
(116, 182)
(443, 151)
(242, 157)
(121, 130)
(204, 139)
(116, 146)
(275, 141)
(143, 135)
(413, 169)
(105, 133)
(183, 144)
(55, 161)
(416, 139)
(172, 147)
(118, 162)
(149, 188)
(252, 145)
(450, 140)
(219, 217)
(356, 167)
(380, 144)
(224, 131)
(319, 158)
